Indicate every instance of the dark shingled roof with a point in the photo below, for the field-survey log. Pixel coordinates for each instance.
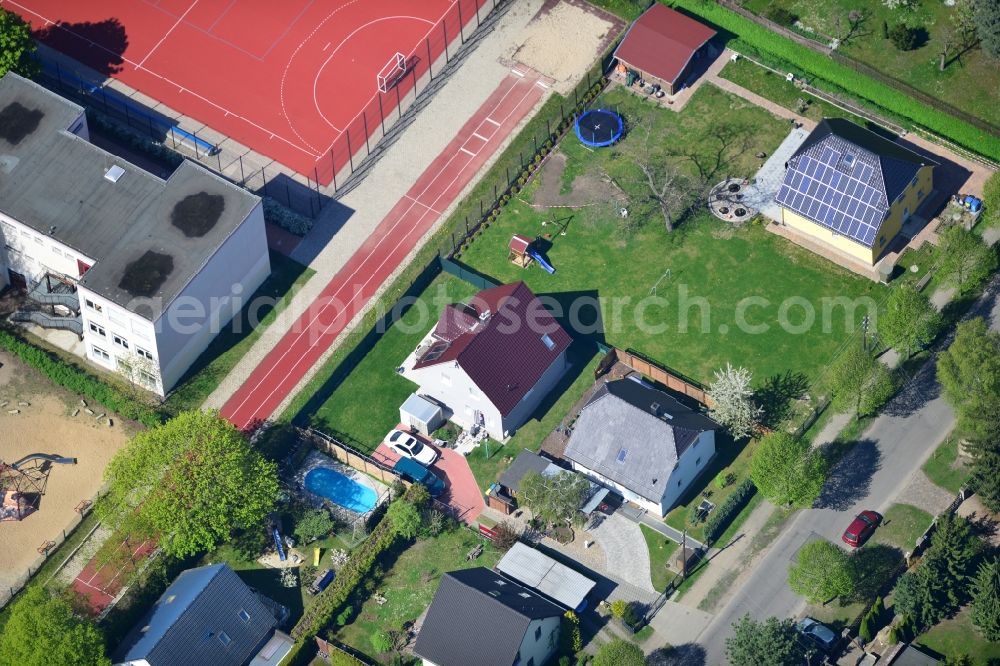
(621, 417)
(662, 41)
(882, 168)
(505, 352)
(185, 624)
(479, 617)
(525, 462)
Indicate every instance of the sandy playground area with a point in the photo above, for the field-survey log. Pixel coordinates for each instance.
(44, 424)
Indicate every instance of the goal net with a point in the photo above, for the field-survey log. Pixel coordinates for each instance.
(392, 72)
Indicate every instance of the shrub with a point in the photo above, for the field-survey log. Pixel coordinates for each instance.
(506, 534)
(314, 524)
(381, 642)
(719, 520)
(344, 616)
(865, 632)
(338, 658)
(79, 381)
(753, 38)
(781, 16)
(277, 214)
(903, 37)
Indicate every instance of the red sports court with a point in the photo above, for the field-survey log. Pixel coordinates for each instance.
(296, 80)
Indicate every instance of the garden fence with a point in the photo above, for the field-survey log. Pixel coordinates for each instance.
(351, 456)
(672, 380)
(862, 68)
(329, 646)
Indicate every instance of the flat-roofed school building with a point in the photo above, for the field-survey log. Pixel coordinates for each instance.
(146, 271)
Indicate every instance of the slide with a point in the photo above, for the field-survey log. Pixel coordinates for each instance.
(44, 456)
(546, 266)
(277, 544)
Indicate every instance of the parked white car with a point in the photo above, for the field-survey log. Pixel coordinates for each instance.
(409, 446)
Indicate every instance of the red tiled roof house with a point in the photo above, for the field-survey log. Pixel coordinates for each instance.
(492, 360)
(661, 46)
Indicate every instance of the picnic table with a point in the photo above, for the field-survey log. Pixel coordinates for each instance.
(474, 553)
(46, 547)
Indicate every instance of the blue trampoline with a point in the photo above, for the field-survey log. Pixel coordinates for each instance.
(599, 127)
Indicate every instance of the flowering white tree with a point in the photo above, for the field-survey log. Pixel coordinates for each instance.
(732, 399)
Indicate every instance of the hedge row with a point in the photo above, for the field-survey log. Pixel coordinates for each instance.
(818, 65)
(80, 382)
(725, 512)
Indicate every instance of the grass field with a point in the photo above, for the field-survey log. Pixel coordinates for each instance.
(233, 342)
(943, 467)
(901, 526)
(968, 83)
(703, 262)
(410, 583)
(661, 549)
(958, 636)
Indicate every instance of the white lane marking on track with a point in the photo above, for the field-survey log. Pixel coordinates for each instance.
(389, 232)
(490, 120)
(167, 34)
(468, 152)
(479, 136)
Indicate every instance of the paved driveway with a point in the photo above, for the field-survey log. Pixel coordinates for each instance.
(462, 495)
(624, 550)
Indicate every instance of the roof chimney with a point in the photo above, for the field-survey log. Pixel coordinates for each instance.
(655, 409)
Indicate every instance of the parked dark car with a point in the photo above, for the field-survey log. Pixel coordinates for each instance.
(861, 528)
(820, 634)
(417, 473)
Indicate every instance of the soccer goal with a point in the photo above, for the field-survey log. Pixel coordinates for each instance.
(392, 72)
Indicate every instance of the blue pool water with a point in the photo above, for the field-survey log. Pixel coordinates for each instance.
(340, 489)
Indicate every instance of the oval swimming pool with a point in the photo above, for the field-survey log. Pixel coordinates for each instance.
(339, 489)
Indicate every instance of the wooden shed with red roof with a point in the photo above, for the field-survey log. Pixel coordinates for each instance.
(661, 46)
(492, 360)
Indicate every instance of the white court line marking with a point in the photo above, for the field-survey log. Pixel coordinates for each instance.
(517, 73)
(542, 84)
(468, 152)
(407, 196)
(167, 34)
(490, 120)
(327, 46)
(249, 122)
(306, 330)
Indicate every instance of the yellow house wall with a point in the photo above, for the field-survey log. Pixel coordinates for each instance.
(890, 226)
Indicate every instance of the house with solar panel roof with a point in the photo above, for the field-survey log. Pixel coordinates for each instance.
(853, 189)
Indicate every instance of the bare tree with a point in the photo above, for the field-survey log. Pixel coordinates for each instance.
(855, 18)
(948, 41)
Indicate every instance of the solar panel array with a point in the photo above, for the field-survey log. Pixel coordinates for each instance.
(842, 201)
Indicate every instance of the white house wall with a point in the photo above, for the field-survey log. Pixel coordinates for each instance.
(33, 254)
(208, 302)
(449, 384)
(529, 403)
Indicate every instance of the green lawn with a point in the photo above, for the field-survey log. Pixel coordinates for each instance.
(958, 636)
(660, 551)
(226, 350)
(945, 469)
(901, 526)
(364, 405)
(712, 267)
(969, 83)
(410, 583)
(774, 87)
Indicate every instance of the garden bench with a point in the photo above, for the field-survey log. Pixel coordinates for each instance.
(474, 553)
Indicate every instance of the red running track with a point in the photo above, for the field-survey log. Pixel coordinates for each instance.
(100, 584)
(388, 246)
(292, 79)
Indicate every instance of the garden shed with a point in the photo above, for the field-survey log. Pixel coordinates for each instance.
(422, 414)
(661, 46)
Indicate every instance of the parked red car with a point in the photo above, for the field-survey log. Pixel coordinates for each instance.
(861, 528)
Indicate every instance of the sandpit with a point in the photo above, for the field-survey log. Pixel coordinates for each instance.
(45, 425)
(562, 42)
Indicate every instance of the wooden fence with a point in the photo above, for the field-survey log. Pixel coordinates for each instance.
(351, 457)
(658, 373)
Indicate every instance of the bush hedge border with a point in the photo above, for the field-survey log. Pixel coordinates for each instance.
(756, 38)
(79, 381)
(728, 510)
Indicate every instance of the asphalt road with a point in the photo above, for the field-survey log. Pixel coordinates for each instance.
(869, 477)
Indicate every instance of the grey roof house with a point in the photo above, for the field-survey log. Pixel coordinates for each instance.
(642, 443)
(482, 617)
(207, 617)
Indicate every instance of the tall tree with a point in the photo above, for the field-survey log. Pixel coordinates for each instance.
(910, 320)
(822, 571)
(772, 642)
(988, 26)
(860, 383)
(969, 372)
(554, 498)
(986, 600)
(966, 261)
(190, 482)
(732, 401)
(16, 45)
(42, 630)
(787, 471)
(956, 547)
(963, 19)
